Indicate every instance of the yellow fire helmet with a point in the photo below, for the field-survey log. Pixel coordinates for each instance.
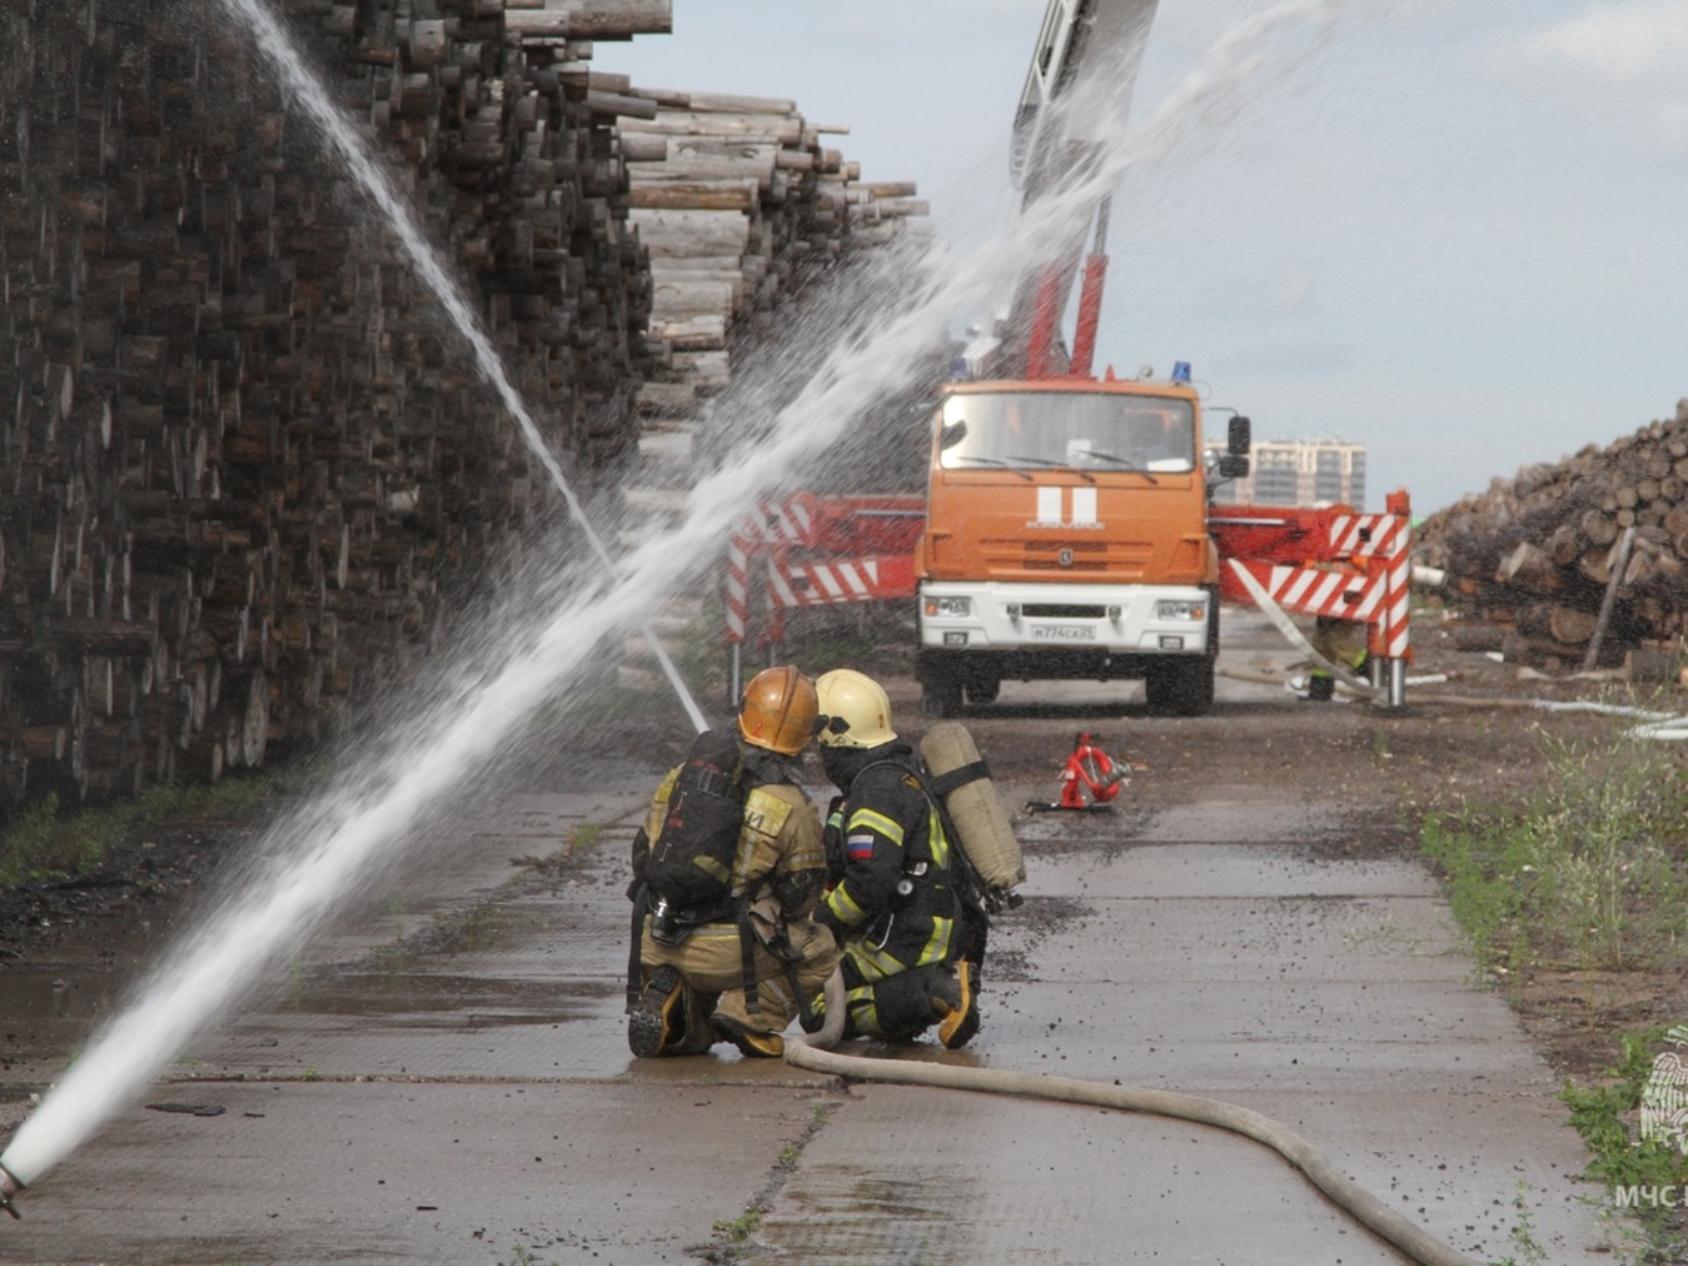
(778, 711)
(854, 711)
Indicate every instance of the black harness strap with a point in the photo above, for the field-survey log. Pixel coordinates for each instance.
(978, 771)
(747, 958)
(635, 954)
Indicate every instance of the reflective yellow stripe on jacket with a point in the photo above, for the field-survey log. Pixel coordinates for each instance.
(844, 907)
(890, 828)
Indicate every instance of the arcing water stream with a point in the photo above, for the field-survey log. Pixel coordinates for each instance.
(324, 851)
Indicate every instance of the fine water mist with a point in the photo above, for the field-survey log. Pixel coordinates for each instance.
(325, 850)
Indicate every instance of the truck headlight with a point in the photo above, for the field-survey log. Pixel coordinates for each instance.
(954, 608)
(1177, 610)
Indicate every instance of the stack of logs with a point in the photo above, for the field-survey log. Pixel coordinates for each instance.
(242, 452)
(741, 207)
(1538, 554)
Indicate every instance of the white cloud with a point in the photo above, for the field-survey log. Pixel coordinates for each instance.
(1624, 57)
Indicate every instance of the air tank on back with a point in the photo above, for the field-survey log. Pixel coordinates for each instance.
(963, 783)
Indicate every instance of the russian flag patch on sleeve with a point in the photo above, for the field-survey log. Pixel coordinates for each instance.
(860, 848)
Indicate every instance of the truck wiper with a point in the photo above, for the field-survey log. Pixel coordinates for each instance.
(993, 461)
(1044, 463)
(1126, 462)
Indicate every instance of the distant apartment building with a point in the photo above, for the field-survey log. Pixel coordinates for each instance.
(1301, 473)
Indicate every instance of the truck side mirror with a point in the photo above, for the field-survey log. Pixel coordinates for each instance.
(1233, 467)
(952, 434)
(1242, 437)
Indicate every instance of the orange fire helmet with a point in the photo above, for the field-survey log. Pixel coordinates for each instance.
(778, 711)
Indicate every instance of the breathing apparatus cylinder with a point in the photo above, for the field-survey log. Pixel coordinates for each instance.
(963, 782)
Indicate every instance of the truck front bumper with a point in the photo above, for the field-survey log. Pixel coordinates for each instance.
(1024, 623)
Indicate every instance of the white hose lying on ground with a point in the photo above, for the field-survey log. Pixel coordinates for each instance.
(1344, 1192)
(1664, 726)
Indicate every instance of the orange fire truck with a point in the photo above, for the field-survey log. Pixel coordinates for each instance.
(1069, 529)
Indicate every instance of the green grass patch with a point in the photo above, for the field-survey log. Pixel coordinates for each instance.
(1590, 872)
(44, 845)
(1608, 1116)
(738, 1230)
(584, 837)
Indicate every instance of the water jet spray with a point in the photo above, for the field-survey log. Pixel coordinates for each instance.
(312, 858)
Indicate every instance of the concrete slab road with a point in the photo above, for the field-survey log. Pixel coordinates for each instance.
(465, 1094)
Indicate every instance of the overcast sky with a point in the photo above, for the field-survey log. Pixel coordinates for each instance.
(1460, 237)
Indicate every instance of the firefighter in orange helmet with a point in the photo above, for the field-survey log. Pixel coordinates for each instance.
(726, 874)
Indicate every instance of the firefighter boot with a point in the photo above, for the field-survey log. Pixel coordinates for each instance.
(657, 1021)
(751, 1044)
(956, 998)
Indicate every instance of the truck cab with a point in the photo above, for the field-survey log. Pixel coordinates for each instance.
(1067, 537)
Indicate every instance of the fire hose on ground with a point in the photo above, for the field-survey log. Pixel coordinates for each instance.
(815, 1055)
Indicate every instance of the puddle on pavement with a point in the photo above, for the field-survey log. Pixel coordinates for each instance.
(49, 1005)
(404, 1000)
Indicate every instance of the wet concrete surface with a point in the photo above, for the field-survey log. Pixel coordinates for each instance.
(446, 1078)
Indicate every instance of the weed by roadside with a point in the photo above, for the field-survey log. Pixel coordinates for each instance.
(41, 845)
(1608, 1117)
(1591, 872)
(739, 1229)
(1527, 1249)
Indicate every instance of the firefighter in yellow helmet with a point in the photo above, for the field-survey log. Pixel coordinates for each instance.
(899, 902)
(726, 874)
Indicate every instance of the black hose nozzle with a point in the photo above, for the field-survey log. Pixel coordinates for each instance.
(10, 1188)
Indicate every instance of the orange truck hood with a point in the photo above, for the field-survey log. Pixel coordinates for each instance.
(1055, 526)
(1116, 527)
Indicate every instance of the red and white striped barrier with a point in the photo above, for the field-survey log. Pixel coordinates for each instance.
(1399, 575)
(738, 589)
(1367, 535)
(1318, 592)
(806, 584)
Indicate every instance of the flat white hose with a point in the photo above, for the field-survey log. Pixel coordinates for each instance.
(1344, 1192)
(832, 1028)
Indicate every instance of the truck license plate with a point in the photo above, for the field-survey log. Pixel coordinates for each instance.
(1063, 633)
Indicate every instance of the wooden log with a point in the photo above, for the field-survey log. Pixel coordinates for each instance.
(592, 19)
(1568, 626)
(1620, 564)
(774, 128)
(682, 233)
(1651, 667)
(1530, 569)
(1598, 528)
(706, 195)
(1478, 638)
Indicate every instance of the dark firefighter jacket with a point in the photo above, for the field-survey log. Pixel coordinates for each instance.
(885, 831)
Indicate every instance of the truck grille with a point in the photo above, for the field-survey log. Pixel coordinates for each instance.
(1090, 560)
(1059, 611)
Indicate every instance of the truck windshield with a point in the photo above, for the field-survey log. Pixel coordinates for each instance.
(1073, 430)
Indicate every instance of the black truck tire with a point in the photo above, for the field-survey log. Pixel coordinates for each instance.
(1182, 688)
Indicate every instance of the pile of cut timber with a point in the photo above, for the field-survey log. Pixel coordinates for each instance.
(1538, 554)
(247, 469)
(741, 207)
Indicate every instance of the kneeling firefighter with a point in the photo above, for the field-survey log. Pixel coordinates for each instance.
(726, 874)
(904, 903)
